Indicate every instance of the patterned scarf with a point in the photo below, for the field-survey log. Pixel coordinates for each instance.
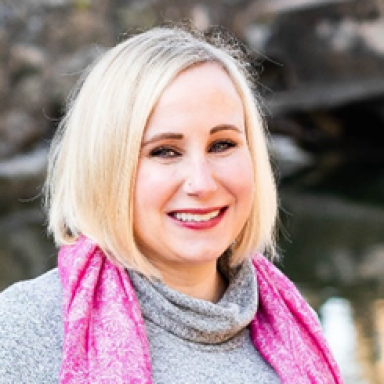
(104, 333)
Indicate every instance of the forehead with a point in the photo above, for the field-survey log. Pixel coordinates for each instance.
(202, 94)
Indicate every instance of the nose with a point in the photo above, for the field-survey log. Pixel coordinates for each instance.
(200, 179)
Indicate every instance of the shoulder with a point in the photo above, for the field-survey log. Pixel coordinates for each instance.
(31, 330)
(31, 302)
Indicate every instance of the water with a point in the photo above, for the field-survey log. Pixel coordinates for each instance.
(335, 254)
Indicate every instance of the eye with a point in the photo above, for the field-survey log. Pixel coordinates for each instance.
(164, 152)
(222, 146)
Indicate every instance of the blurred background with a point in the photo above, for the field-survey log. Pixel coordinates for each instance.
(320, 67)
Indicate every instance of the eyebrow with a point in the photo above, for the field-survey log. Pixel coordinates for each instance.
(163, 136)
(225, 127)
(179, 136)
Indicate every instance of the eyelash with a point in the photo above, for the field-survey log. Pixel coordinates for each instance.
(164, 152)
(227, 144)
(168, 152)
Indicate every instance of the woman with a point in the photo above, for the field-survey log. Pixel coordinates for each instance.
(160, 193)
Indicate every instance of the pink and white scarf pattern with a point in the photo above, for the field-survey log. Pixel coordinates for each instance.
(104, 332)
(287, 333)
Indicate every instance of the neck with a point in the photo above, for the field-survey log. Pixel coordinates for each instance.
(197, 281)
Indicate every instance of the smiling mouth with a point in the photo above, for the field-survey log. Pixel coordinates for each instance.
(196, 217)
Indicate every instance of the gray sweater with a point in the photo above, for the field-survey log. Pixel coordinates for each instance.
(191, 341)
(195, 341)
(31, 331)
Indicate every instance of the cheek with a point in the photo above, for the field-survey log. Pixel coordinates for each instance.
(245, 189)
(146, 184)
(239, 177)
(244, 186)
(153, 188)
(146, 202)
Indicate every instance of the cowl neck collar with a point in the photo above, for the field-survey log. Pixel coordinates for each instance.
(197, 320)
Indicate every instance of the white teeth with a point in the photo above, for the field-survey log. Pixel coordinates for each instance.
(194, 217)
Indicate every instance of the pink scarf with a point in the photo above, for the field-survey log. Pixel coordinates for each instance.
(286, 332)
(104, 333)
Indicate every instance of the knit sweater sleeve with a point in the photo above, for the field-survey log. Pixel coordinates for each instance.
(31, 331)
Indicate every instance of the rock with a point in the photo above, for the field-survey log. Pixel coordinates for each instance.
(336, 61)
(17, 131)
(26, 58)
(25, 165)
(287, 156)
(22, 177)
(25, 251)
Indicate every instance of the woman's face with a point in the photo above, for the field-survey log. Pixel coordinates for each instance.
(194, 187)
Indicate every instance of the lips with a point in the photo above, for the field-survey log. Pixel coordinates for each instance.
(197, 215)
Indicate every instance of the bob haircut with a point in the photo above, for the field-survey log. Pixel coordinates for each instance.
(94, 155)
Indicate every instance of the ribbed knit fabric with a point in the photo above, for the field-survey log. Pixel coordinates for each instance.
(196, 341)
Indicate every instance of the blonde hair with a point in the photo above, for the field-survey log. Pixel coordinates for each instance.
(94, 155)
